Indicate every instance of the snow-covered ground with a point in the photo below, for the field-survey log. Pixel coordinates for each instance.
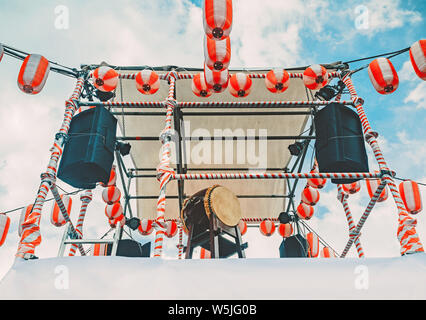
(234, 279)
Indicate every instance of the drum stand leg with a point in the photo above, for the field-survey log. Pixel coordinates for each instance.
(239, 242)
(214, 239)
(188, 253)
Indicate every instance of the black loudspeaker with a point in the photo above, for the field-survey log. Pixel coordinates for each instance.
(339, 145)
(131, 248)
(294, 247)
(89, 153)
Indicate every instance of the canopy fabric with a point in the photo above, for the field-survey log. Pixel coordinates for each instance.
(243, 154)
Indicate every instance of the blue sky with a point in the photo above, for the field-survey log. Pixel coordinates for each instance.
(265, 33)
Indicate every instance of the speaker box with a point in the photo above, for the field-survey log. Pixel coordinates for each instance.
(339, 145)
(294, 247)
(131, 248)
(89, 153)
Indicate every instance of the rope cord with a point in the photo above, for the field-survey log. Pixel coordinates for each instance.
(69, 193)
(404, 179)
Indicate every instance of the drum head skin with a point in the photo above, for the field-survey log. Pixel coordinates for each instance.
(224, 204)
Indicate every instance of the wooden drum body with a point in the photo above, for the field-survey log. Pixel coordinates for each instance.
(215, 201)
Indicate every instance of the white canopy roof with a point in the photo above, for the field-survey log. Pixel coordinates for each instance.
(253, 154)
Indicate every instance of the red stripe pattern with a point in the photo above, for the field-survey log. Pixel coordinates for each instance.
(305, 211)
(277, 80)
(85, 198)
(418, 58)
(285, 230)
(410, 194)
(267, 228)
(216, 80)
(4, 227)
(217, 18)
(145, 227)
(199, 86)
(147, 81)
(315, 77)
(56, 217)
(33, 74)
(105, 78)
(239, 85)
(217, 53)
(383, 75)
(313, 243)
(406, 233)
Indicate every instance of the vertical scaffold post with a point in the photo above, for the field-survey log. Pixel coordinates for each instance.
(406, 233)
(164, 171)
(31, 237)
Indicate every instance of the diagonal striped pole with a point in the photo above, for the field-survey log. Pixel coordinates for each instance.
(406, 232)
(31, 237)
(355, 233)
(342, 197)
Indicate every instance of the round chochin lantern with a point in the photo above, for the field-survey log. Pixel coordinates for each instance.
(240, 85)
(267, 227)
(305, 211)
(313, 243)
(383, 75)
(120, 220)
(315, 77)
(112, 178)
(147, 81)
(277, 80)
(242, 225)
(4, 227)
(418, 58)
(145, 227)
(317, 183)
(285, 230)
(56, 217)
(33, 74)
(171, 229)
(217, 81)
(352, 188)
(217, 53)
(410, 194)
(105, 78)
(111, 194)
(217, 18)
(310, 196)
(199, 86)
(113, 211)
(372, 185)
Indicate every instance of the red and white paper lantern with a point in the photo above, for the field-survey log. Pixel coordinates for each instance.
(217, 53)
(410, 194)
(217, 81)
(217, 18)
(305, 211)
(4, 227)
(351, 188)
(33, 74)
(277, 80)
(313, 243)
(147, 81)
(239, 85)
(56, 217)
(418, 58)
(310, 196)
(267, 227)
(111, 194)
(105, 78)
(113, 211)
(145, 227)
(199, 86)
(383, 76)
(285, 230)
(315, 77)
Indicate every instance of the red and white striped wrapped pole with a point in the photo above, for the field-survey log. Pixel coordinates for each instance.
(354, 234)
(342, 197)
(406, 233)
(31, 237)
(85, 198)
(51, 180)
(164, 171)
(273, 175)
